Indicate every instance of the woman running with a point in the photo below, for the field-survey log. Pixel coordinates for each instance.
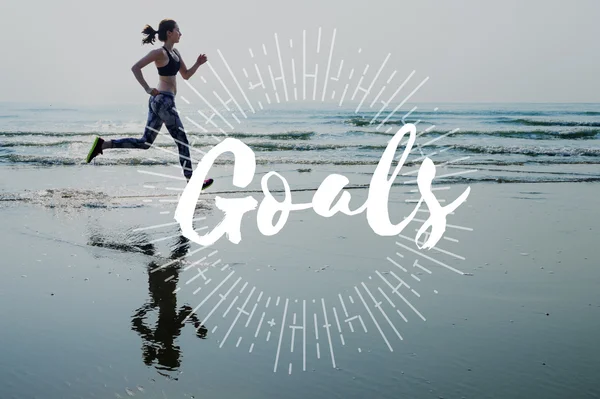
(161, 105)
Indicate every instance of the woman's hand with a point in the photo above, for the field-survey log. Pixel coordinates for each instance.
(201, 59)
(152, 91)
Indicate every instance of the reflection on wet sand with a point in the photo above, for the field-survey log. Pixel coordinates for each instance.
(159, 348)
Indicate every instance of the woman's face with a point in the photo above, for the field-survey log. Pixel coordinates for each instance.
(175, 34)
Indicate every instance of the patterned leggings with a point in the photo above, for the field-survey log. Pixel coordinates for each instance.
(161, 109)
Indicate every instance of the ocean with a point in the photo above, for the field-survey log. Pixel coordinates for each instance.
(503, 142)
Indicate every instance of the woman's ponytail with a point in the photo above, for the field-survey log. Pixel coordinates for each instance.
(150, 35)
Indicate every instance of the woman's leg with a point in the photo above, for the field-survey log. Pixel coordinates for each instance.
(165, 109)
(153, 126)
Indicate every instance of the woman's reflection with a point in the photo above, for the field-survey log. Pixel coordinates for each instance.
(159, 347)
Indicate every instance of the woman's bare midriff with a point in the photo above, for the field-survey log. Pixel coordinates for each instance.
(167, 83)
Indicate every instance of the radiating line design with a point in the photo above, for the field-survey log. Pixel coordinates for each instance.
(221, 108)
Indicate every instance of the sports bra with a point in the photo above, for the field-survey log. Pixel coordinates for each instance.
(171, 68)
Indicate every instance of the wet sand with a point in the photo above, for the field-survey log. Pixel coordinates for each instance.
(94, 296)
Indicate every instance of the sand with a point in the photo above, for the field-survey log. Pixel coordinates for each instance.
(79, 300)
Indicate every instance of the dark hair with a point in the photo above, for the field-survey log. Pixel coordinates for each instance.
(164, 26)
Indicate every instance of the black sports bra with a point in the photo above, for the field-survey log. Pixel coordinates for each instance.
(171, 68)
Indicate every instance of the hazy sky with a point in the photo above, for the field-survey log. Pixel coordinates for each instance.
(494, 51)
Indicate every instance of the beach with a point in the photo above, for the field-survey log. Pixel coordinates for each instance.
(96, 275)
(522, 322)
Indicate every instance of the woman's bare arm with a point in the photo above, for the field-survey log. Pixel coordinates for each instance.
(188, 73)
(152, 56)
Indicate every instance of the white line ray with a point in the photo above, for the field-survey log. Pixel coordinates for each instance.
(416, 264)
(207, 103)
(236, 81)
(377, 97)
(227, 90)
(327, 327)
(439, 138)
(416, 190)
(230, 306)
(163, 238)
(401, 297)
(402, 282)
(176, 153)
(391, 77)
(285, 91)
(213, 291)
(408, 114)
(281, 334)
(176, 260)
(374, 320)
(430, 154)
(386, 103)
(431, 259)
(259, 325)
(401, 315)
(199, 126)
(396, 264)
(386, 297)
(221, 100)
(195, 277)
(156, 226)
(240, 311)
(402, 103)
(223, 298)
(373, 81)
(319, 41)
(464, 172)
(147, 172)
(304, 335)
(378, 305)
(452, 226)
(454, 161)
(437, 249)
(251, 314)
(328, 66)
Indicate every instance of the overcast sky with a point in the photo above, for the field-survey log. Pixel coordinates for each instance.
(81, 52)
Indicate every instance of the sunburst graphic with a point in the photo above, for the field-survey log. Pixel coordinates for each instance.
(307, 329)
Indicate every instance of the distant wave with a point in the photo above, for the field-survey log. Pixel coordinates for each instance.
(532, 134)
(18, 133)
(367, 122)
(49, 109)
(67, 161)
(533, 122)
(292, 135)
(30, 139)
(365, 117)
(519, 179)
(37, 144)
(510, 150)
(338, 149)
(530, 151)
